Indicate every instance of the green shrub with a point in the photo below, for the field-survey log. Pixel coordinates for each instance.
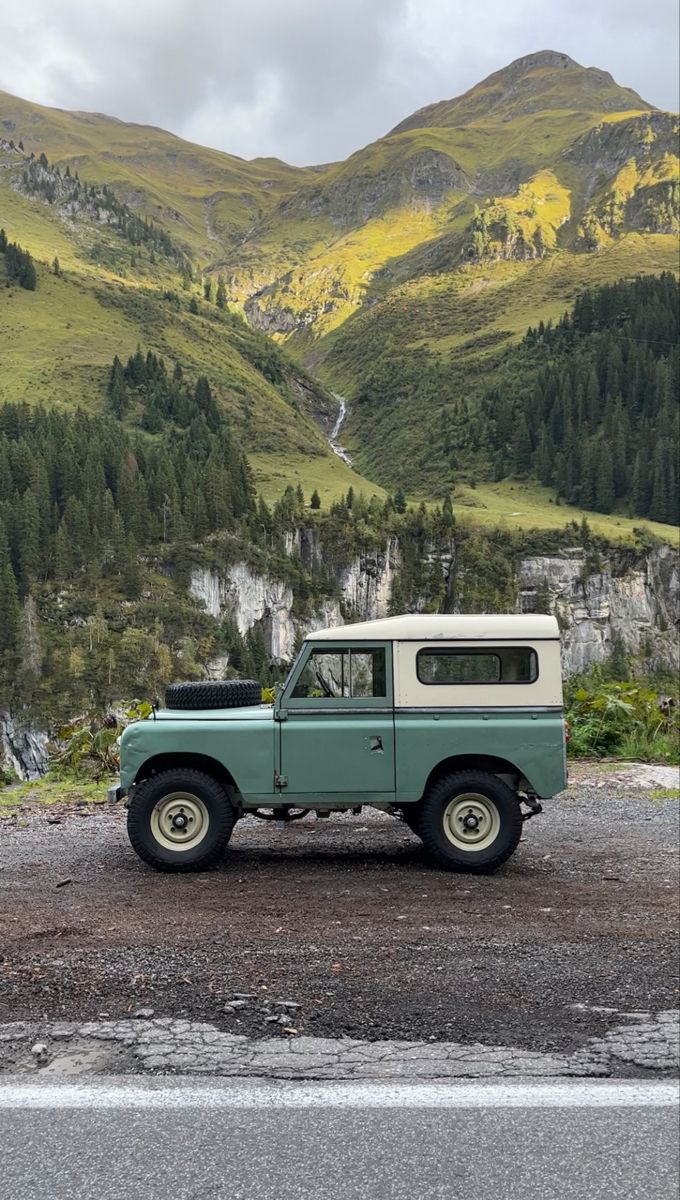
(620, 719)
(90, 745)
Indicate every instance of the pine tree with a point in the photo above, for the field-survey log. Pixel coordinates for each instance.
(315, 501)
(397, 604)
(118, 398)
(9, 604)
(27, 273)
(221, 294)
(604, 479)
(62, 554)
(521, 449)
(131, 578)
(448, 518)
(29, 652)
(543, 461)
(29, 546)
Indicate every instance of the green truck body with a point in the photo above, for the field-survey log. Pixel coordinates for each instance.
(328, 759)
(370, 719)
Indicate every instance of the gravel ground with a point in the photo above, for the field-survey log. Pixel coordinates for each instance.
(346, 919)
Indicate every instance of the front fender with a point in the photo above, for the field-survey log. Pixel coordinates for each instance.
(244, 749)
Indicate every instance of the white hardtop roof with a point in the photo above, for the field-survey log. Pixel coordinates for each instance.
(444, 627)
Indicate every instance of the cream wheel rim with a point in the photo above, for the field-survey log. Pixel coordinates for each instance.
(471, 822)
(179, 821)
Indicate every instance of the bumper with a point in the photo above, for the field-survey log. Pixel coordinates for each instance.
(115, 794)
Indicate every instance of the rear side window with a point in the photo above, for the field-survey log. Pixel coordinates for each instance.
(503, 664)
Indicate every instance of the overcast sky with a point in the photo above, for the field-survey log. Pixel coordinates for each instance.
(310, 80)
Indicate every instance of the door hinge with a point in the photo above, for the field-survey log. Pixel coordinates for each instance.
(280, 781)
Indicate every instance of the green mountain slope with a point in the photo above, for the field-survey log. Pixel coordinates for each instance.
(587, 407)
(537, 82)
(202, 197)
(443, 241)
(426, 254)
(120, 285)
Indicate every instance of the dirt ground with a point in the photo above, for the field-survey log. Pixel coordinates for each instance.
(346, 918)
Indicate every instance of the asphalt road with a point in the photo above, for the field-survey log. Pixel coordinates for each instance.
(244, 1141)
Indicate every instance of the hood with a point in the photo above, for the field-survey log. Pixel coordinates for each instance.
(251, 712)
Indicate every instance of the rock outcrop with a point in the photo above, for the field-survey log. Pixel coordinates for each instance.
(361, 191)
(23, 749)
(625, 600)
(634, 604)
(608, 147)
(364, 588)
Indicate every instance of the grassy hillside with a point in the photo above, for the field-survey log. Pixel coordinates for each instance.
(203, 197)
(588, 405)
(109, 295)
(516, 504)
(436, 247)
(428, 251)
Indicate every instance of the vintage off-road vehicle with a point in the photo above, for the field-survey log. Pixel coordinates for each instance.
(452, 723)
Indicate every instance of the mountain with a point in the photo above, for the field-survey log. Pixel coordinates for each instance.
(443, 241)
(116, 271)
(369, 218)
(199, 196)
(425, 255)
(535, 83)
(180, 329)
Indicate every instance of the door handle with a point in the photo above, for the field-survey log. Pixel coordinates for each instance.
(375, 743)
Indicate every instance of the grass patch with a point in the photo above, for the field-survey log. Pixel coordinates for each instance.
(530, 506)
(50, 791)
(331, 477)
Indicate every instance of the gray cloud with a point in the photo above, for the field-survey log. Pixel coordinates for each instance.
(310, 80)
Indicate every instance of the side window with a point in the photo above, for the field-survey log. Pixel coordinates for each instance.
(326, 674)
(368, 673)
(343, 674)
(505, 664)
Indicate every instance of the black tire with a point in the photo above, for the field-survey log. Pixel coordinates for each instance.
(151, 810)
(501, 818)
(221, 693)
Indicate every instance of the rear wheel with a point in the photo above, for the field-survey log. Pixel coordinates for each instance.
(470, 821)
(180, 820)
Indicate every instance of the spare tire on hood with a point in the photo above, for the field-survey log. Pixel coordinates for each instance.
(219, 693)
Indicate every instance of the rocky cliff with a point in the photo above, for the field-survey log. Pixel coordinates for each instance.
(23, 750)
(623, 599)
(634, 603)
(364, 587)
(619, 600)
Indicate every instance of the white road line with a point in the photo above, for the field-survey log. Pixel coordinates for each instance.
(170, 1093)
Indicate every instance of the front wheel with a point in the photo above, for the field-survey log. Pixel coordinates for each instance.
(470, 821)
(180, 820)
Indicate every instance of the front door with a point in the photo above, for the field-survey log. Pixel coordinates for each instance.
(337, 724)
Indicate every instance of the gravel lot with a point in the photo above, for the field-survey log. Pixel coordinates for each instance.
(346, 919)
